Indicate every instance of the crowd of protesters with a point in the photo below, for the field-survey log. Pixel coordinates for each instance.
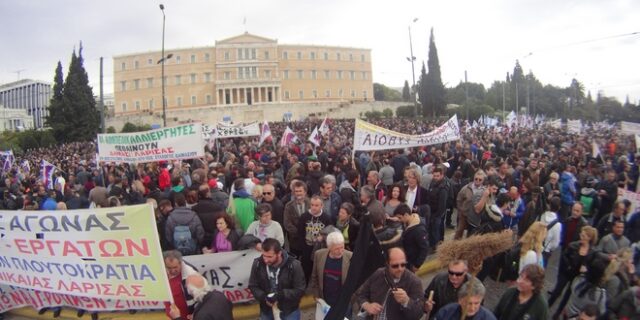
(545, 185)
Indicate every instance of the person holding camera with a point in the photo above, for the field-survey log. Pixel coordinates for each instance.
(391, 292)
(277, 282)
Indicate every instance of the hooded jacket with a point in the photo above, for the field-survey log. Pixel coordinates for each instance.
(183, 216)
(414, 242)
(552, 241)
(242, 207)
(567, 188)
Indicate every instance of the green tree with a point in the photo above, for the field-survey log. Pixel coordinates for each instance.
(406, 92)
(56, 119)
(111, 129)
(423, 92)
(384, 93)
(387, 113)
(405, 111)
(433, 98)
(517, 88)
(130, 127)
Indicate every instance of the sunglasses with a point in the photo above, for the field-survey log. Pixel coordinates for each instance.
(399, 265)
(266, 193)
(457, 274)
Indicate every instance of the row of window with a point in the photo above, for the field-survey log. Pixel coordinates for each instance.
(245, 54)
(151, 104)
(243, 73)
(327, 94)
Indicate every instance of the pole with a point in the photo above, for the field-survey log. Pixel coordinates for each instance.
(413, 72)
(466, 94)
(102, 108)
(517, 102)
(164, 101)
(504, 102)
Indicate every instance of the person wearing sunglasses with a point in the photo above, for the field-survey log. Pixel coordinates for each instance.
(391, 292)
(445, 287)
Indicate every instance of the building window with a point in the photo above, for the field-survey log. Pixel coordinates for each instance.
(179, 101)
(338, 56)
(364, 75)
(364, 94)
(136, 64)
(301, 94)
(286, 95)
(266, 55)
(150, 103)
(136, 84)
(339, 74)
(327, 74)
(123, 86)
(326, 55)
(253, 54)
(149, 82)
(315, 94)
(362, 57)
(300, 74)
(137, 105)
(207, 57)
(226, 56)
(285, 74)
(149, 61)
(299, 55)
(240, 54)
(285, 55)
(207, 77)
(267, 74)
(123, 66)
(193, 78)
(178, 59)
(178, 80)
(194, 100)
(314, 75)
(350, 56)
(193, 58)
(327, 93)
(353, 93)
(312, 56)
(209, 100)
(227, 75)
(254, 72)
(340, 93)
(124, 107)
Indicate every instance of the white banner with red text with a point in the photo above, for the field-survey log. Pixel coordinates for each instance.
(371, 137)
(173, 143)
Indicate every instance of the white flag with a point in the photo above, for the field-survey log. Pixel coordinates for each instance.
(315, 137)
(288, 137)
(595, 149)
(266, 133)
(324, 127)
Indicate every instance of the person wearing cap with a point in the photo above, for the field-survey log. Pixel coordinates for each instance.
(217, 195)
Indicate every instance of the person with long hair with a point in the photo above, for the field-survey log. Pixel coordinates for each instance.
(585, 289)
(395, 197)
(532, 244)
(525, 300)
(620, 274)
(225, 238)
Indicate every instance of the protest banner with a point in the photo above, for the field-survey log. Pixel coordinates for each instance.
(110, 253)
(173, 143)
(574, 126)
(227, 272)
(371, 137)
(223, 130)
(629, 128)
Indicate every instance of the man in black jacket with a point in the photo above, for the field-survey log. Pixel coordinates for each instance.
(277, 207)
(208, 211)
(438, 194)
(277, 282)
(445, 286)
(210, 303)
(414, 237)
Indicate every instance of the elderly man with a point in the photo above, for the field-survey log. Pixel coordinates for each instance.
(373, 180)
(277, 280)
(277, 208)
(210, 303)
(468, 219)
(469, 304)
(373, 206)
(445, 287)
(177, 272)
(392, 292)
(330, 267)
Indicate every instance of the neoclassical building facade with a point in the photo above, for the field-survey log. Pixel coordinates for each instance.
(241, 70)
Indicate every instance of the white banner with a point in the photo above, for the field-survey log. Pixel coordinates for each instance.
(173, 143)
(223, 130)
(228, 272)
(629, 127)
(574, 126)
(371, 137)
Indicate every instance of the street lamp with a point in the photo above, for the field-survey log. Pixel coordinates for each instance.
(162, 61)
(411, 59)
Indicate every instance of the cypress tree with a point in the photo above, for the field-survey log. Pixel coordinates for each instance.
(406, 92)
(82, 116)
(435, 95)
(56, 119)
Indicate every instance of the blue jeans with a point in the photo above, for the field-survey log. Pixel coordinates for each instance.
(292, 316)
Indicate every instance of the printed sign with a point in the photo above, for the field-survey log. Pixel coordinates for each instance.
(371, 137)
(173, 143)
(108, 253)
(223, 130)
(629, 128)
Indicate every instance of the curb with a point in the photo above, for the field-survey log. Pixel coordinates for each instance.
(239, 312)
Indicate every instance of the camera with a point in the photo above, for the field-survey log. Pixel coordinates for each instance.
(272, 298)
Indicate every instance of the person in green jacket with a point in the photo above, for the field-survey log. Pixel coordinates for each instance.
(242, 206)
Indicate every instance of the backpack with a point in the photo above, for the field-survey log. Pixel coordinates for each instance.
(182, 240)
(511, 263)
(587, 205)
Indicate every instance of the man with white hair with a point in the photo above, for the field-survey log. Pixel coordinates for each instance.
(210, 303)
(330, 266)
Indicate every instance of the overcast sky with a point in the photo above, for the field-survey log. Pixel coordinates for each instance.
(556, 39)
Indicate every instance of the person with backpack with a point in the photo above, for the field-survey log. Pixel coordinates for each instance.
(183, 228)
(554, 229)
(585, 289)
